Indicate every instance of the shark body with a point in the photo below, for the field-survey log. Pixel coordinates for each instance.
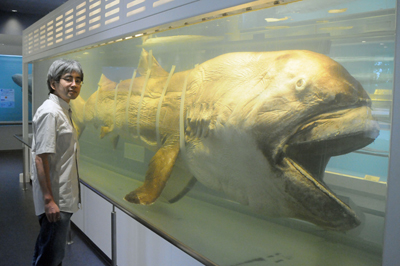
(258, 126)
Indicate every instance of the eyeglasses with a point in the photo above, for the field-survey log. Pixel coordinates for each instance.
(78, 81)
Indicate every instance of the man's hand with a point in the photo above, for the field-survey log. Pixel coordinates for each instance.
(52, 211)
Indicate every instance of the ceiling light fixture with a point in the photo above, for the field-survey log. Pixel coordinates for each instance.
(276, 19)
(335, 11)
(14, 10)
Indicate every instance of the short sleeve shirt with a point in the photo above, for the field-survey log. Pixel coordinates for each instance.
(54, 133)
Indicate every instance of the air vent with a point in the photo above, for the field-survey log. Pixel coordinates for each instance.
(78, 19)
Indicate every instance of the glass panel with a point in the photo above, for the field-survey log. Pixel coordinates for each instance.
(257, 109)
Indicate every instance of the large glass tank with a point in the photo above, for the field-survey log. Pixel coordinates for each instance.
(260, 138)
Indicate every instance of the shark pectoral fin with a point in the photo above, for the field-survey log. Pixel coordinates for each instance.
(179, 184)
(104, 131)
(185, 187)
(115, 141)
(157, 175)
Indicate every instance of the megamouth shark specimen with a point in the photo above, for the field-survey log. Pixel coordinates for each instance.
(258, 126)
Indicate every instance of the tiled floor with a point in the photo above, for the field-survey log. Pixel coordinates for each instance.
(19, 226)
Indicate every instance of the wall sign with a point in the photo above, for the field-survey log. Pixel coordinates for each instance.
(7, 99)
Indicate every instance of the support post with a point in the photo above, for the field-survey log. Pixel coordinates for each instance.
(25, 121)
(114, 237)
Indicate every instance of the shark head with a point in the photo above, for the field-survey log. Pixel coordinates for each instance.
(299, 108)
(17, 78)
(314, 109)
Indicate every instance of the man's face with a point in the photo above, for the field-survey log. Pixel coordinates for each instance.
(69, 86)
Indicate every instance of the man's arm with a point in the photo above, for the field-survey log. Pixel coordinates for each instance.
(43, 172)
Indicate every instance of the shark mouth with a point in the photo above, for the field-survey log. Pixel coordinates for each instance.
(306, 155)
(331, 134)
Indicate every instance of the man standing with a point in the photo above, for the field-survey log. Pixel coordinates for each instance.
(55, 162)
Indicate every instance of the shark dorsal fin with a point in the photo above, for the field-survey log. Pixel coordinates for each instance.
(106, 84)
(147, 61)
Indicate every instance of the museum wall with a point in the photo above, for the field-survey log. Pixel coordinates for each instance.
(11, 27)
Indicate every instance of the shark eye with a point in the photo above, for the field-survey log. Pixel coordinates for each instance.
(300, 84)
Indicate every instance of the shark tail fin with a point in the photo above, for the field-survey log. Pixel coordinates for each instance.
(78, 114)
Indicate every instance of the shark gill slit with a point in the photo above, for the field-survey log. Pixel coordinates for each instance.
(160, 105)
(128, 100)
(142, 95)
(181, 118)
(96, 113)
(115, 105)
